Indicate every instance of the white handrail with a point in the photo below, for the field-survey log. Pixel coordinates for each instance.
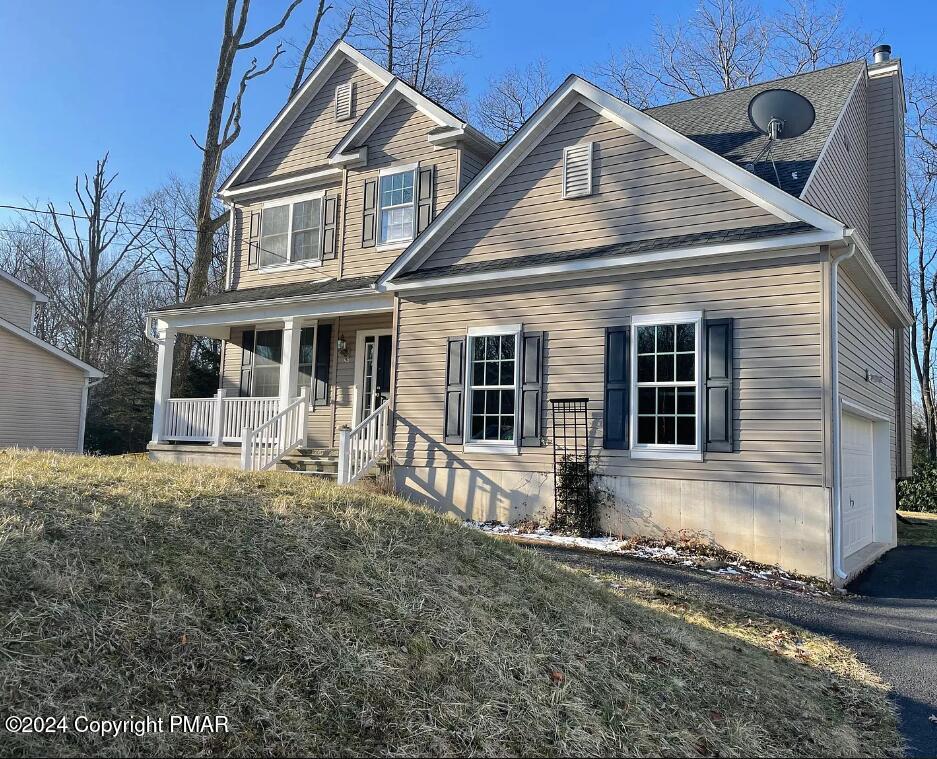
(264, 446)
(359, 448)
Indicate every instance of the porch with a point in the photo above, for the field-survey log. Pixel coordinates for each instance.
(302, 385)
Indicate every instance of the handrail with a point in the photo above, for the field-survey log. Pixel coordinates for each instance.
(360, 447)
(263, 446)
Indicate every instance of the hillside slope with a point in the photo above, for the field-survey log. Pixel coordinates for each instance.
(328, 621)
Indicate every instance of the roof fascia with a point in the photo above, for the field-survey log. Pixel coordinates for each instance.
(49, 348)
(36, 295)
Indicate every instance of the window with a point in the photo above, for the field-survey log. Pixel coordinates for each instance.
(291, 232)
(666, 387)
(307, 345)
(397, 206)
(268, 345)
(492, 381)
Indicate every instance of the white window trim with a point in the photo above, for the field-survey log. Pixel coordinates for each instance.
(665, 452)
(388, 171)
(489, 446)
(290, 200)
(566, 151)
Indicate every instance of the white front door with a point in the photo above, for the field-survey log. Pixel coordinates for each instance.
(858, 497)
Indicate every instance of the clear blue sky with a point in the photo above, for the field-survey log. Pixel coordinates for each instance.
(134, 76)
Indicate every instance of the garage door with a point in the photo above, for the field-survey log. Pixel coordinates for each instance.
(858, 502)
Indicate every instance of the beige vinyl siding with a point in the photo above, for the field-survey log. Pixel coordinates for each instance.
(400, 139)
(40, 397)
(470, 164)
(16, 305)
(311, 137)
(866, 342)
(840, 181)
(639, 192)
(778, 368)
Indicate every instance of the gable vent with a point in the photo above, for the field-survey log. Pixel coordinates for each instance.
(577, 170)
(344, 94)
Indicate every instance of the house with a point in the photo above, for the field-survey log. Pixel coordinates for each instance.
(44, 393)
(733, 309)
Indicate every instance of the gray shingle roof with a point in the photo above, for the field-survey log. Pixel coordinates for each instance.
(275, 292)
(720, 122)
(620, 249)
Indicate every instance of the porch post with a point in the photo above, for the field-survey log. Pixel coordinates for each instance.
(217, 433)
(289, 363)
(164, 354)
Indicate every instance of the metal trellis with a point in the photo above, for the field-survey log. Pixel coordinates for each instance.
(571, 470)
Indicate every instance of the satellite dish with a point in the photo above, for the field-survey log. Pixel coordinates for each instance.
(781, 114)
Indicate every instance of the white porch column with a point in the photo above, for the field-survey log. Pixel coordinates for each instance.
(164, 353)
(289, 361)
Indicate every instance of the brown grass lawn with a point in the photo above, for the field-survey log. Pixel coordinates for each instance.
(329, 621)
(921, 532)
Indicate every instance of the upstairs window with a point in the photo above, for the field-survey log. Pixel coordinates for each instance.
(291, 232)
(397, 205)
(344, 101)
(577, 170)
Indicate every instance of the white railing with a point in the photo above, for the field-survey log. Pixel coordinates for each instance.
(359, 448)
(263, 447)
(215, 420)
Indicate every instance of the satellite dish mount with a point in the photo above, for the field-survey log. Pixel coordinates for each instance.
(779, 115)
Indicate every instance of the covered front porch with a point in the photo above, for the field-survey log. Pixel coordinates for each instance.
(297, 375)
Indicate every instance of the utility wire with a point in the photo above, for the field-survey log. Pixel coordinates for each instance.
(88, 218)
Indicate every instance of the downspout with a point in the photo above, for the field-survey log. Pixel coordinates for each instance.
(83, 414)
(838, 570)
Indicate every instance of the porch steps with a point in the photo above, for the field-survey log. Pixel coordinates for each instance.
(318, 462)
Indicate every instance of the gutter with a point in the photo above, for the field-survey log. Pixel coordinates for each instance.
(837, 531)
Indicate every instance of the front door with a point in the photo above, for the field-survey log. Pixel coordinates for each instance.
(375, 375)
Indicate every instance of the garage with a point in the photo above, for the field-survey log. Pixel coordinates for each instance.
(866, 477)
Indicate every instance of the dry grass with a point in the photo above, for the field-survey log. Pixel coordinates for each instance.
(921, 532)
(335, 621)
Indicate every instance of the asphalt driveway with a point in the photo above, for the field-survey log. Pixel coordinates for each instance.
(890, 621)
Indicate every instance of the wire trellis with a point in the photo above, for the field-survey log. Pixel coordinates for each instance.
(572, 474)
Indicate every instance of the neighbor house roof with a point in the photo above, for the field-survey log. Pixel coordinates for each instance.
(720, 123)
(36, 295)
(276, 292)
(49, 348)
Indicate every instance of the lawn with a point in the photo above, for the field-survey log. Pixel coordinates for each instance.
(922, 530)
(329, 621)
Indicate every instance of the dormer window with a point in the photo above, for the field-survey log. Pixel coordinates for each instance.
(344, 101)
(577, 170)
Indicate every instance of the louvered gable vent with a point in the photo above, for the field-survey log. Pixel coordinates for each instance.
(344, 95)
(577, 170)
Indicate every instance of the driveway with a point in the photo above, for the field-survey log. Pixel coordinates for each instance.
(890, 621)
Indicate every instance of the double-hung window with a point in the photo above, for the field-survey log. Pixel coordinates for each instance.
(260, 363)
(666, 385)
(492, 387)
(396, 198)
(291, 231)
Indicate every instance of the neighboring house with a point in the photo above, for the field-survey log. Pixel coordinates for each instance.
(739, 325)
(44, 394)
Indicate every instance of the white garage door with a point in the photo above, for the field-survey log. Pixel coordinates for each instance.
(858, 502)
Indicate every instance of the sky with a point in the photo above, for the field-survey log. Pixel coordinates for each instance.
(134, 77)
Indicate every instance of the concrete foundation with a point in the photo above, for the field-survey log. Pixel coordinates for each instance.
(198, 455)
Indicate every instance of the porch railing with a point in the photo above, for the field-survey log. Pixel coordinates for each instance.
(361, 447)
(263, 447)
(215, 420)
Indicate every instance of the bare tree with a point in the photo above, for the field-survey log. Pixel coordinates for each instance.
(312, 38)
(103, 249)
(416, 40)
(512, 98)
(811, 35)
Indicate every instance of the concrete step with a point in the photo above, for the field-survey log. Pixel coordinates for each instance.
(308, 464)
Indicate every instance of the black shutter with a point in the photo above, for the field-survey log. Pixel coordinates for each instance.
(253, 244)
(455, 386)
(323, 357)
(247, 362)
(531, 394)
(369, 214)
(424, 208)
(329, 227)
(617, 387)
(717, 351)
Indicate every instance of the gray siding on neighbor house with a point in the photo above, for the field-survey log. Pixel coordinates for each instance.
(840, 182)
(866, 342)
(307, 143)
(778, 367)
(16, 305)
(40, 399)
(639, 192)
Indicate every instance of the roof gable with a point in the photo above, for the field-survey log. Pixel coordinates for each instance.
(48, 348)
(572, 93)
(19, 284)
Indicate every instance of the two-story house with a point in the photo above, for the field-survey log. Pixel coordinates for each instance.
(44, 392)
(728, 307)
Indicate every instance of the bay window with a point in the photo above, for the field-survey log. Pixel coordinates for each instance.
(291, 231)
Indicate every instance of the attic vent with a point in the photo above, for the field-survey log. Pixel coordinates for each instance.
(577, 170)
(344, 94)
